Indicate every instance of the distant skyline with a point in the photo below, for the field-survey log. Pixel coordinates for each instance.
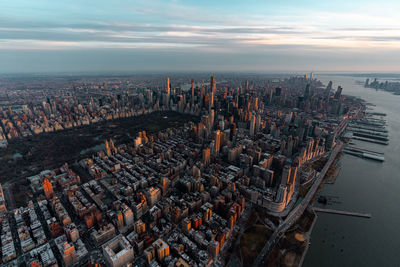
(178, 35)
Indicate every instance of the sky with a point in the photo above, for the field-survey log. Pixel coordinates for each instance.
(202, 35)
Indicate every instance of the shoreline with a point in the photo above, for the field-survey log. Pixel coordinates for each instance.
(331, 181)
(308, 235)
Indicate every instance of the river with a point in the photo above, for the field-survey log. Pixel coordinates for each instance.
(362, 186)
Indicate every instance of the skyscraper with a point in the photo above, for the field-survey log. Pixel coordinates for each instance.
(307, 92)
(206, 156)
(286, 175)
(213, 84)
(338, 93)
(213, 88)
(48, 188)
(192, 93)
(108, 150)
(168, 86)
(232, 132)
(218, 136)
(203, 90)
(168, 93)
(328, 90)
(211, 103)
(252, 125)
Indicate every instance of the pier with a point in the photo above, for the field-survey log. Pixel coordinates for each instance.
(370, 132)
(341, 212)
(370, 123)
(370, 140)
(374, 129)
(371, 136)
(376, 113)
(364, 153)
(364, 150)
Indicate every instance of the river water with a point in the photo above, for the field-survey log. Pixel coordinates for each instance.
(362, 186)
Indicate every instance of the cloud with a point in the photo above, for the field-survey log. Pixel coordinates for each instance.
(100, 35)
(181, 28)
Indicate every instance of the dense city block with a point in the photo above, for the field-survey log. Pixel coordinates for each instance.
(246, 162)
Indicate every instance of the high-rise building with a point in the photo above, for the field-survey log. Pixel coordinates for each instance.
(213, 89)
(213, 248)
(278, 91)
(168, 86)
(218, 137)
(307, 92)
(153, 195)
(165, 182)
(286, 175)
(338, 93)
(139, 226)
(212, 116)
(206, 156)
(232, 131)
(328, 90)
(168, 95)
(186, 224)
(192, 93)
(211, 102)
(128, 215)
(48, 188)
(69, 255)
(118, 252)
(213, 84)
(108, 150)
(258, 123)
(203, 91)
(252, 125)
(112, 147)
(161, 248)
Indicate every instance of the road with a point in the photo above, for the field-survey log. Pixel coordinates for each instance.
(296, 213)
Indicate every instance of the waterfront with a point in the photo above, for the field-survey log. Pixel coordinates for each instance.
(363, 186)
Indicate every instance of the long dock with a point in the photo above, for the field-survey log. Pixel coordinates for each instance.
(341, 212)
(370, 132)
(371, 136)
(364, 154)
(363, 150)
(375, 129)
(370, 140)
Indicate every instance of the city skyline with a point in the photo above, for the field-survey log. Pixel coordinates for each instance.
(162, 176)
(132, 36)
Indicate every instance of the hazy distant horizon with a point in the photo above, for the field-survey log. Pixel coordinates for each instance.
(175, 35)
(177, 72)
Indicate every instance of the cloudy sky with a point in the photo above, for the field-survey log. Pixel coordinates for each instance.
(202, 35)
